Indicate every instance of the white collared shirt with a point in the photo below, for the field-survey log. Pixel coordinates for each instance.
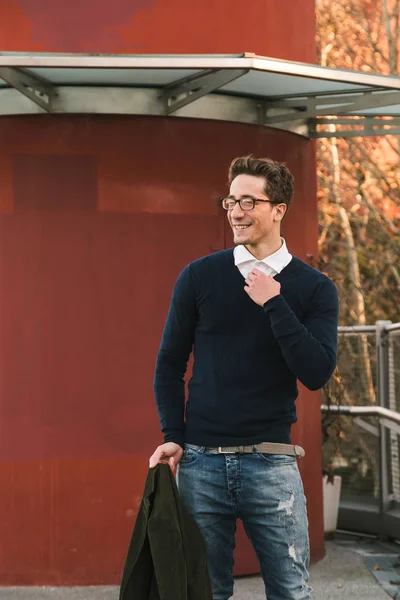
(271, 265)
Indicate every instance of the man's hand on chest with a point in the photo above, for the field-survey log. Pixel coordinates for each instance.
(261, 287)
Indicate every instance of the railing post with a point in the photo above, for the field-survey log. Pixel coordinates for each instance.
(382, 400)
(392, 404)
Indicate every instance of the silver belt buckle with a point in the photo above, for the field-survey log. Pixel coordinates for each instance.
(220, 451)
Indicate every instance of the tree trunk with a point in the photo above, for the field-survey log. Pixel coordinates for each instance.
(358, 298)
(391, 24)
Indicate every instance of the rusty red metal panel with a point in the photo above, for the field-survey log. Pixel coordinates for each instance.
(84, 294)
(54, 182)
(6, 188)
(57, 527)
(278, 28)
(82, 316)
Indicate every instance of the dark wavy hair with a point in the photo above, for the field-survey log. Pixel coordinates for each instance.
(279, 182)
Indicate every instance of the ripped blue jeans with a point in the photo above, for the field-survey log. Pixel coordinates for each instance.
(266, 493)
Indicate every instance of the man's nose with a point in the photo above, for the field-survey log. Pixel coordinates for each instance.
(237, 212)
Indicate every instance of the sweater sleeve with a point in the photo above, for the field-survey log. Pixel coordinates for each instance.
(309, 348)
(175, 348)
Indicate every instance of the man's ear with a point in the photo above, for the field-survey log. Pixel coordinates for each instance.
(280, 211)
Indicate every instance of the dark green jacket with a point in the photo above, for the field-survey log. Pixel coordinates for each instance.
(166, 558)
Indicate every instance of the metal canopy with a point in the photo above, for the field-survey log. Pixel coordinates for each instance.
(302, 98)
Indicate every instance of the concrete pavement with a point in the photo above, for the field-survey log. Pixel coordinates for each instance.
(342, 575)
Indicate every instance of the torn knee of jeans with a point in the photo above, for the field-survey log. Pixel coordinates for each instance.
(287, 505)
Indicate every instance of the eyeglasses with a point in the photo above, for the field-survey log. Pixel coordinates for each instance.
(245, 203)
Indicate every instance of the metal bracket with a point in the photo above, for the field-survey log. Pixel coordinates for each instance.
(36, 88)
(312, 106)
(390, 425)
(360, 127)
(187, 90)
(296, 125)
(367, 426)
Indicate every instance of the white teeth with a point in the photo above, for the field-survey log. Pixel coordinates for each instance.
(241, 226)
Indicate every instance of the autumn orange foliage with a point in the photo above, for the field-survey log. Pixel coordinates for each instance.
(359, 178)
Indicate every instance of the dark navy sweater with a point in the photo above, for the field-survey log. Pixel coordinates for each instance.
(247, 358)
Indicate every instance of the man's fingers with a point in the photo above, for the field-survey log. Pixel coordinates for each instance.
(153, 462)
(155, 458)
(168, 453)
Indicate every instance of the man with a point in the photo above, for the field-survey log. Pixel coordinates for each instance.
(258, 319)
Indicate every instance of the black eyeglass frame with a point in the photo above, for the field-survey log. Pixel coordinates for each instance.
(255, 200)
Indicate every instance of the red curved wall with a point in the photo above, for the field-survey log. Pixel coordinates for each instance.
(98, 216)
(279, 28)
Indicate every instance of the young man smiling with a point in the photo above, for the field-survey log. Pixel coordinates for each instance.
(257, 320)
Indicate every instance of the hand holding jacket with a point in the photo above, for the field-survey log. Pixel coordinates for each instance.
(167, 557)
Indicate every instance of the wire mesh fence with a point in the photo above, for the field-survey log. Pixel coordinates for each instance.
(394, 369)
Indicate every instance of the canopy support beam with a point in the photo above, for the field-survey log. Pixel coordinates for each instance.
(332, 104)
(360, 127)
(184, 91)
(37, 89)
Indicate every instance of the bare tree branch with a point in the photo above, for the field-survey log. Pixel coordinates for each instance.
(387, 22)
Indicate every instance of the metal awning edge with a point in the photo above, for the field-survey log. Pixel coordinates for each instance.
(121, 61)
(326, 73)
(247, 61)
(210, 74)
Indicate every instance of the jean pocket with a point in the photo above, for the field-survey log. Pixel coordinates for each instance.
(190, 454)
(278, 460)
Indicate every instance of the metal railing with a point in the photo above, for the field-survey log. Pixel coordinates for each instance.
(388, 416)
(361, 428)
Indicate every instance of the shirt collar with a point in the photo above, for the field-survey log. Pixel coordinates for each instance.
(276, 261)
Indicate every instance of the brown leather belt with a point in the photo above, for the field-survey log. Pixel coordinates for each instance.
(263, 448)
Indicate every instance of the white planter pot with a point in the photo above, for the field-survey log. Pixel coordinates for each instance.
(331, 493)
